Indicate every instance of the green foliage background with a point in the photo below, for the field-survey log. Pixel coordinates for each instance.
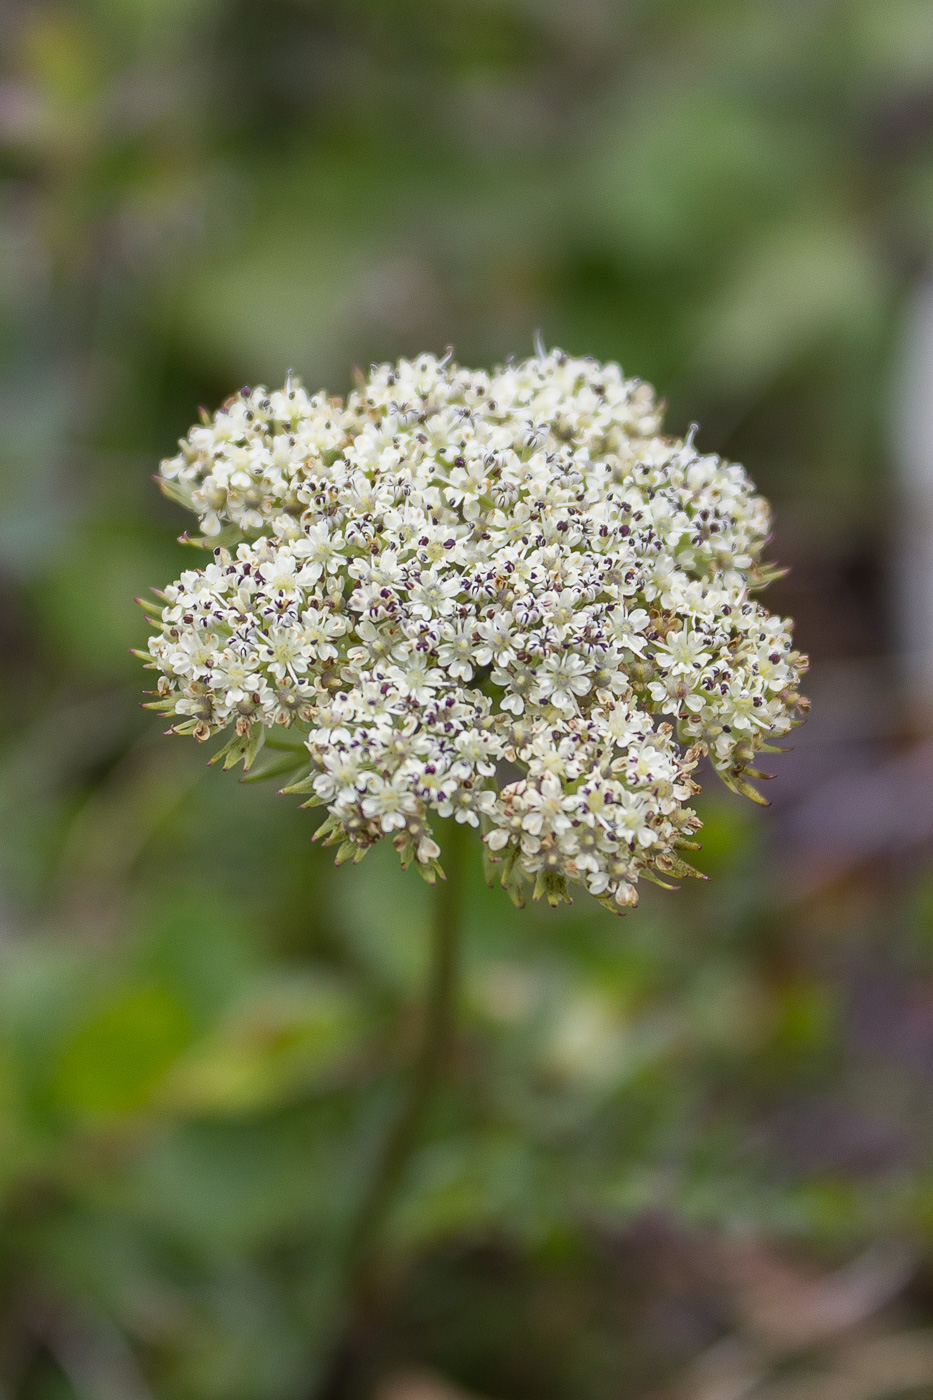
(203, 1027)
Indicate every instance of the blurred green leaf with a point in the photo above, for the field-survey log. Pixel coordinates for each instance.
(114, 1059)
(289, 1036)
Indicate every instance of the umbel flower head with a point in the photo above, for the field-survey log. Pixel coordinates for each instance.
(500, 597)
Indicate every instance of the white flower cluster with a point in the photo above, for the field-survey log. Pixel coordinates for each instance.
(499, 597)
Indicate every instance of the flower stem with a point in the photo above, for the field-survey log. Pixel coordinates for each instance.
(400, 1143)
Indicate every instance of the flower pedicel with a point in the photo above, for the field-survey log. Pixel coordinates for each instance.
(503, 597)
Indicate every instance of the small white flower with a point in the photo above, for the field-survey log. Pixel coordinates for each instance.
(433, 595)
(546, 811)
(682, 652)
(285, 652)
(280, 571)
(562, 679)
(455, 653)
(389, 800)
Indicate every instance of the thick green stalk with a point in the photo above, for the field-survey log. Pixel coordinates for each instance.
(402, 1138)
(435, 1037)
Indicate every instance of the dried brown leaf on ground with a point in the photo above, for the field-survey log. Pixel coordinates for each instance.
(420, 1385)
(802, 1336)
(784, 1307)
(877, 1368)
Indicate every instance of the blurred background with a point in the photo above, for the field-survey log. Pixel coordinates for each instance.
(683, 1156)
